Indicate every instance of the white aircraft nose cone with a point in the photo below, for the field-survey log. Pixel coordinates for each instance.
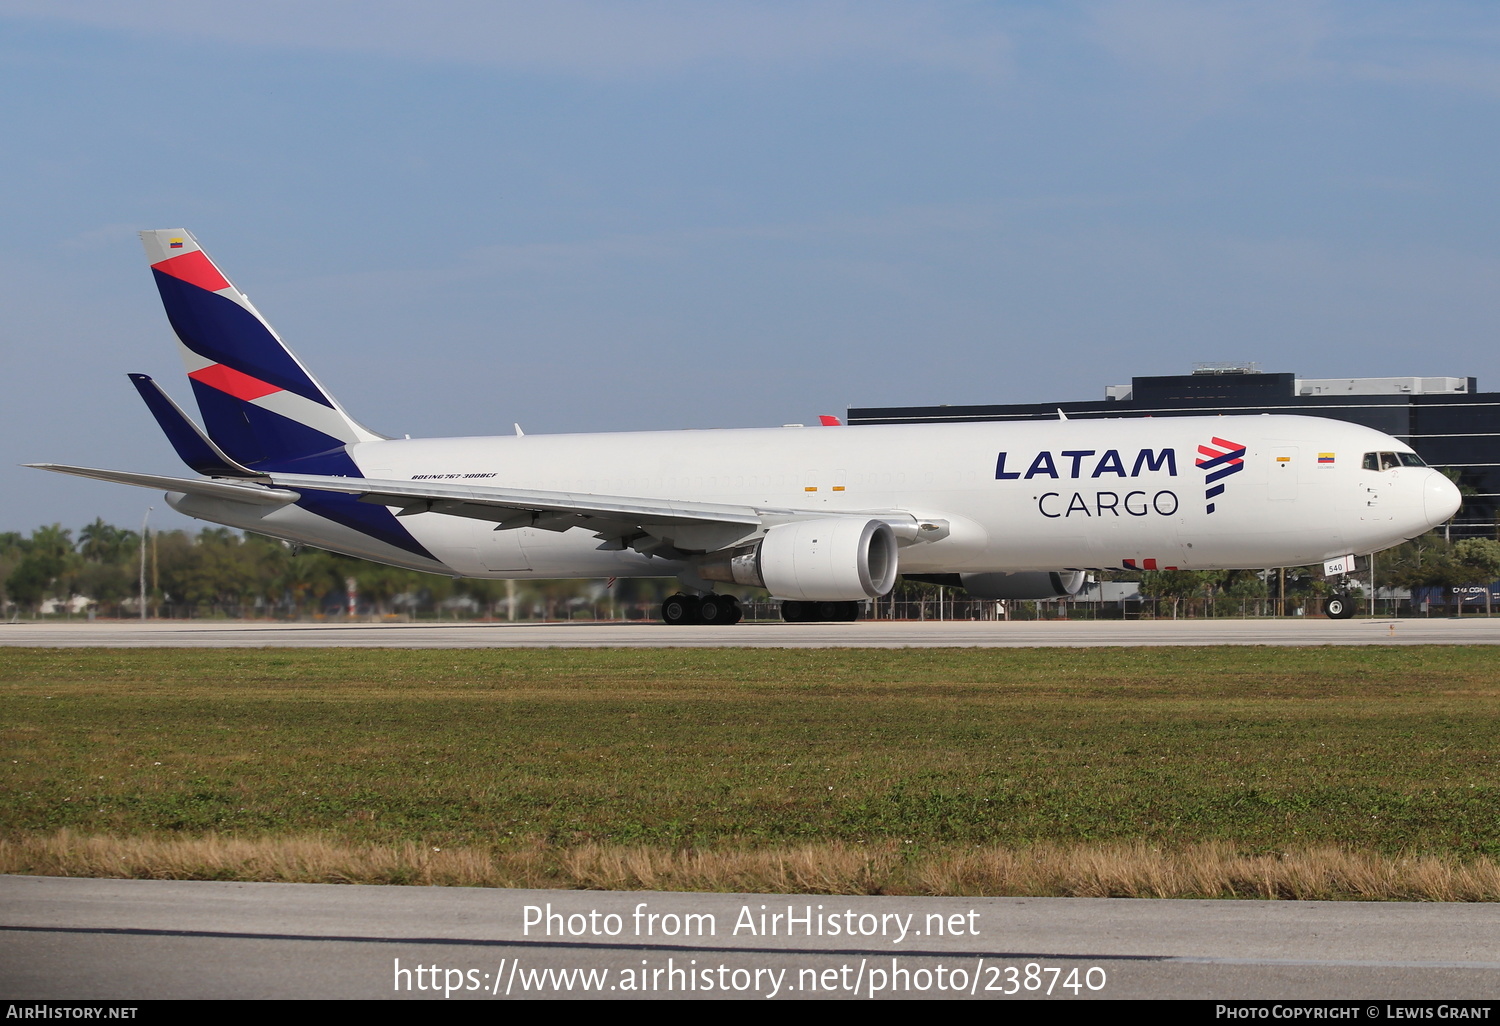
(1440, 499)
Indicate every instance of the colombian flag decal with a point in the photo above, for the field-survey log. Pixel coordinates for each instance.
(175, 244)
(1325, 458)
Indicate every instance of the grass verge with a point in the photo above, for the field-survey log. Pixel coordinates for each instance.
(1323, 772)
(1099, 871)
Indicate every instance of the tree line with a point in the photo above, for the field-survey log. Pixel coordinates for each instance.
(220, 572)
(1430, 565)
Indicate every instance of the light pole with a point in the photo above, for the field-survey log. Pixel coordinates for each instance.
(143, 560)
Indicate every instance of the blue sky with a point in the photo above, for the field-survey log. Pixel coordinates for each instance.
(587, 215)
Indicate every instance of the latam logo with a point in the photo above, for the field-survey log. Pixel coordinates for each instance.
(1218, 463)
(1078, 463)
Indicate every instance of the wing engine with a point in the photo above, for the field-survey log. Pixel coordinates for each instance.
(826, 559)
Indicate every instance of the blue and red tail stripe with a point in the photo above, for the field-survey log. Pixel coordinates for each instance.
(259, 405)
(230, 381)
(216, 327)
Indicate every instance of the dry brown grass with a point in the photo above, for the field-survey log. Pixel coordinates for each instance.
(289, 860)
(1208, 870)
(1211, 870)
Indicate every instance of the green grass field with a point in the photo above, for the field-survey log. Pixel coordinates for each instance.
(1387, 751)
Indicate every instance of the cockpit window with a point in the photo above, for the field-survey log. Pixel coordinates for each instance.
(1391, 460)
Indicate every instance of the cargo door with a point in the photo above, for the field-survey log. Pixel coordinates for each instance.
(500, 550)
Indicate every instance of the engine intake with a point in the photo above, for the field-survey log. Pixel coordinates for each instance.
(831, 559)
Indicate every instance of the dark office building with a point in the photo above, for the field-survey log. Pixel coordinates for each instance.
(1446, 420)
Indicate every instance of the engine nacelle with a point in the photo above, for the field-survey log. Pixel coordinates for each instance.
(831, 559)
(1037, 584)
(1033, 584)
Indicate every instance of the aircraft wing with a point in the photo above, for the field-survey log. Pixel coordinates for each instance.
(646, 525)
(641, 523)
(234, 491)
(504, 504)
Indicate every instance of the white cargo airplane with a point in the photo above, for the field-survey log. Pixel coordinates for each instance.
(821, 518)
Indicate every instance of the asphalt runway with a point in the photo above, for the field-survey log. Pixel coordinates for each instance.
(863, 634)
(148, 939)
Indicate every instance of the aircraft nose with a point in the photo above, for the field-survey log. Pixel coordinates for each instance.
(1440, 499)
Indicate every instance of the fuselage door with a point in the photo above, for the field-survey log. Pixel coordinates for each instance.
(500, 550)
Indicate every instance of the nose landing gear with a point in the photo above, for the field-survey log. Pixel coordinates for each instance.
(1338, 607)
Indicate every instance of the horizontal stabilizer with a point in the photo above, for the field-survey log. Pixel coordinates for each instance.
(232, 491)
(196, 449)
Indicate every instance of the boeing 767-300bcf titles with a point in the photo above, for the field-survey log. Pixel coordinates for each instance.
(821, 518)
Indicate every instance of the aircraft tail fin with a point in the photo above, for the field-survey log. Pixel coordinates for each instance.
(260, 405)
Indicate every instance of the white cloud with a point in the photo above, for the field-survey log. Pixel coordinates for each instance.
(103, 237)
(1463, 74)
(1206, 52)
(599, 38)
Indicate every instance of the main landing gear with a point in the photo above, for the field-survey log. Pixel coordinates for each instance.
(708, 609)
(819, 612)
(683, 609)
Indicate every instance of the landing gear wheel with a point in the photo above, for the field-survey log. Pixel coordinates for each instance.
(680, 609)
(736, 611)
(1338, 607)
(715, 610)
(819, 612)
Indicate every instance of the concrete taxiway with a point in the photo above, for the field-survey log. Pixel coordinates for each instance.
(147, 939)
(863, 634)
